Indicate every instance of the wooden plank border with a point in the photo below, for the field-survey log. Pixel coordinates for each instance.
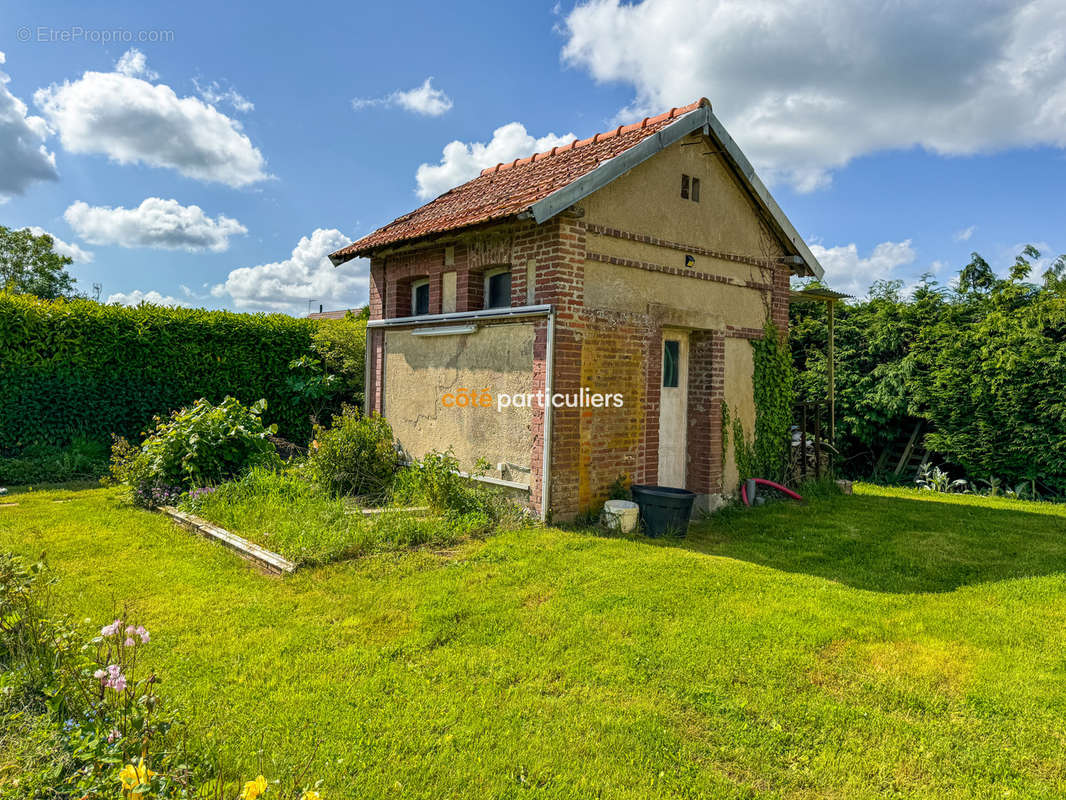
(250, 551)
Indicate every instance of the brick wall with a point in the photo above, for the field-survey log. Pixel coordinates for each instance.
(706, 391)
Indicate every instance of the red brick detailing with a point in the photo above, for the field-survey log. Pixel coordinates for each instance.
(779, 301)
(653, 381)
(706, 390)
(692, 249)
(734, 332)
(682, 271)
(376, 355)
(377, 288)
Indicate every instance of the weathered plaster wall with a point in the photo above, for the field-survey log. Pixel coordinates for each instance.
(419, 370)
(648, 199)
(676, 300)
(739, 371)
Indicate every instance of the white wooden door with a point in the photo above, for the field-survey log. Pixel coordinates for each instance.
(673, 409)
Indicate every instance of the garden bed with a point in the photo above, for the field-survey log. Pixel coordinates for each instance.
(288, 515)
(260, 556)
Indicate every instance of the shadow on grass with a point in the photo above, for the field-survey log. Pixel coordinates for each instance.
(66, 486)
(888, 544)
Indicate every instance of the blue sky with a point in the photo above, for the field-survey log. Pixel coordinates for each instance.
(212, 152)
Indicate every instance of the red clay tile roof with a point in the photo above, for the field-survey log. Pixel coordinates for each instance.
(507, 189)
(341, 314)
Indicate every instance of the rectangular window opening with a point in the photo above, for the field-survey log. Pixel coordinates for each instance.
(696, 190)
(498, 289)
(671, 362)
(684, 187)
(420, 298)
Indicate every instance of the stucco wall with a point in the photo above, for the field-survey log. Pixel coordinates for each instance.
(420, 370)
(677, 300)
(648, 199)
(739, 372)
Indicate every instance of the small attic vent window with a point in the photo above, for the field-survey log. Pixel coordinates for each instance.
(690, 188)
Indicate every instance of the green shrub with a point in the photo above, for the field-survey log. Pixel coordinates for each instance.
(79, 367)
(341, 344)
(355, 456)
(83, 459)
(434, 480)
(199, 446)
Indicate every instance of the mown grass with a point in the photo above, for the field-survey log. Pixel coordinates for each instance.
(287, 514)
(886, 644)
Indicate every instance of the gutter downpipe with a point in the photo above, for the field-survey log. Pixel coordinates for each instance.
(549, 388)
(367, 333)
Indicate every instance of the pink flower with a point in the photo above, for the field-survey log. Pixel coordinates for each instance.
(142, 633)
(100, 674)
(112, 629)
(115, 679)
(113, 737)
(130, 641)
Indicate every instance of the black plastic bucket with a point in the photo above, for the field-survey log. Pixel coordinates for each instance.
(663, 509)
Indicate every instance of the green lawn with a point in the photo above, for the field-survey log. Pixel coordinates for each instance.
(886, 644)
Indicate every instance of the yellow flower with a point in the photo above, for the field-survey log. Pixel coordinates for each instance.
(253, 789)
(132, 777)
(310, 794)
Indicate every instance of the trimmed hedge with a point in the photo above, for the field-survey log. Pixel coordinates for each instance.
(79, 367)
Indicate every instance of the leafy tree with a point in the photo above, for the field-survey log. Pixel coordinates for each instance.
(983, 363)
(30, 265)
(341, 345)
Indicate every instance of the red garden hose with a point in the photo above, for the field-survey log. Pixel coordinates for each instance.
(771, 484)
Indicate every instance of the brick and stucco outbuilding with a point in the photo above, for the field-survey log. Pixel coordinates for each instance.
(579, 271)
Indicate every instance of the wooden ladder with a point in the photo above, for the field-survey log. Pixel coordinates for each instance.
(912, 457)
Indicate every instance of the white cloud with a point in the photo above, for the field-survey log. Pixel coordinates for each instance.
(462, 161)
(159, 223)
(306, 275)
(132, 120)
(805, 87)
(134, 64)
(847, 272)
(215, 94)
(23, 156)
(79, 255)
(422, 99)
(136, 297)
(965, 234)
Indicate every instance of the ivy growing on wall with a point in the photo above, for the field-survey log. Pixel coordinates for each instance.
(765, 453)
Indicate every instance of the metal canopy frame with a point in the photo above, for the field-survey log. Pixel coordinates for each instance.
(817, 294)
